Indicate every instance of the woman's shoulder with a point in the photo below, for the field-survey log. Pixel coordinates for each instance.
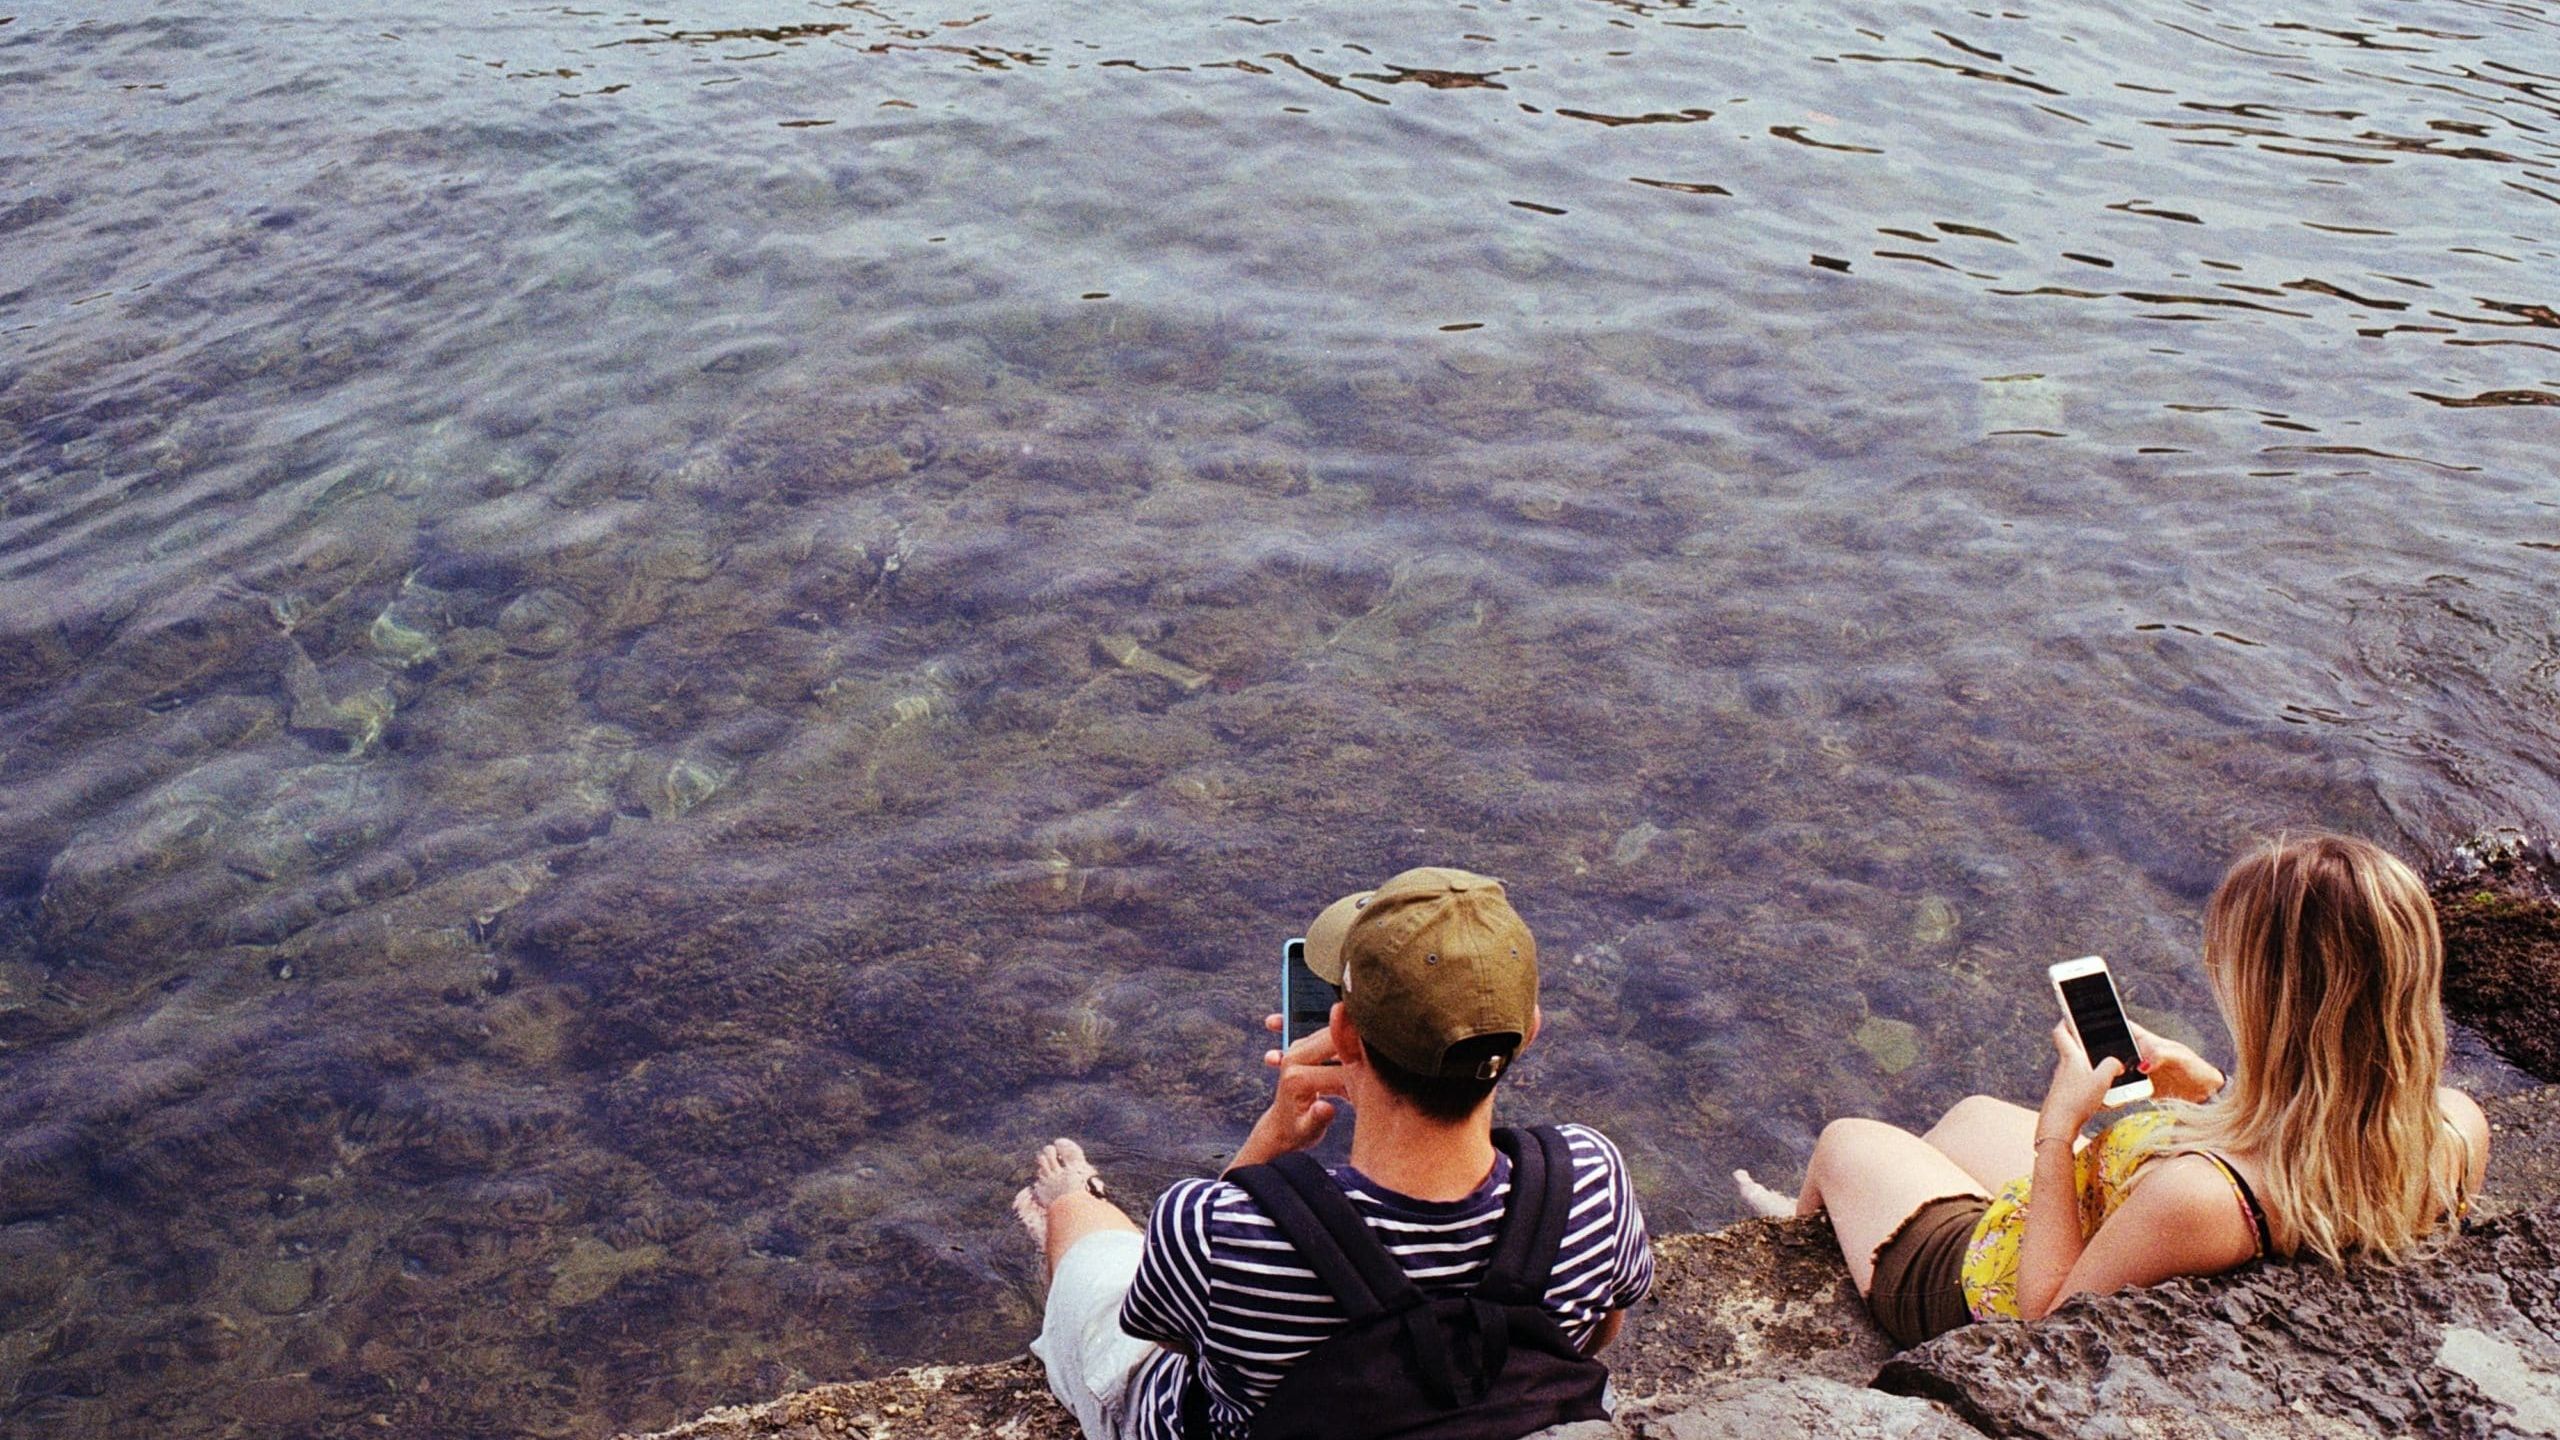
(2463, 1111)
(2193, 1178)
(2189, 1195)
(2471, 1123)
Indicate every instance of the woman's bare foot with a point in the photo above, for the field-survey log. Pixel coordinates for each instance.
(1762, 1199)
(1060, 1169)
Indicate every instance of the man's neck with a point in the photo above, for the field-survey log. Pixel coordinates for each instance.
(1414, 1155)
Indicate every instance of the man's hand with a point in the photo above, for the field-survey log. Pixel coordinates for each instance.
(2177, 1073)
(1303, 1100)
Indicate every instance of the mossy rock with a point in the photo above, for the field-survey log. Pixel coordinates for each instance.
(2502, 962)
(1894, 1044)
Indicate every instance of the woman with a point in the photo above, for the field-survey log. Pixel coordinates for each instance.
(2333, 1136)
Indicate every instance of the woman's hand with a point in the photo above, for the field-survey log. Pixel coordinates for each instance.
(1303, 1099)
(2077, 1089)
(2177, 1073)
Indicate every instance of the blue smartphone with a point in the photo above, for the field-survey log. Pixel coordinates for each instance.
(1306, 1001)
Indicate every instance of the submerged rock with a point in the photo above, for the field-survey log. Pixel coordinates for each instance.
(279, 1287)
(1935, 922)
(686, 784)
(359, 719)
(1894, 1044)
(539, 622)
(35, 1266)
(593, 1268)
(1128, 654)
(403, 645)
(1634, 842)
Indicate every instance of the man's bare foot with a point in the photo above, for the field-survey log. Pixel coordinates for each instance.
(1059, 1169)
(1033, 1215)
(1762, 1199)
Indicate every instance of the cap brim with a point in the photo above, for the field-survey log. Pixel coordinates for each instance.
(1325, 937)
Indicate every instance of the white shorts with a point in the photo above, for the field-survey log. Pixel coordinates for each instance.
(1088, 1356)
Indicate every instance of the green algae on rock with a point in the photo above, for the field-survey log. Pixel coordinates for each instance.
(2501, 921)
(1894, 1044)
(593, 1268)
(1935, 921)
(402, 644)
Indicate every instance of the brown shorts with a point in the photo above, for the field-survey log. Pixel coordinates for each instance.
(1919, 1283)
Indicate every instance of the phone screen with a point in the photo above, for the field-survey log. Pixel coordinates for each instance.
(2099, 1017)
(1306, 1002)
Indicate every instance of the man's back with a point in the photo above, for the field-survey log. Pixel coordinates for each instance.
(1218, 1280)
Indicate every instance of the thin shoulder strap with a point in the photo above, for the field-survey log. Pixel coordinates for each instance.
(1533, 1223)
(2248, 1198)
(1329, 1235)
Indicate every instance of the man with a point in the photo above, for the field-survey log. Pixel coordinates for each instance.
(1214, 1304)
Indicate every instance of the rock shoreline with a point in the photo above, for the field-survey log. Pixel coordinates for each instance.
(1755, 1330)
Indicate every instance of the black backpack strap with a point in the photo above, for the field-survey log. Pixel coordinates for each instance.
(1533, 1223)
(1337, 1244)
(1330, 1236)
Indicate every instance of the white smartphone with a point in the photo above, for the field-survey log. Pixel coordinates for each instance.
(2088, 996)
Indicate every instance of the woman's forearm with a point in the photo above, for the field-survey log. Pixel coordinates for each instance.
(2053, 1240)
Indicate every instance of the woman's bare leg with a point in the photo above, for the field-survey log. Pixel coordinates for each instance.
(1058, 1209)
(1993, 1140)
(1870, 1177)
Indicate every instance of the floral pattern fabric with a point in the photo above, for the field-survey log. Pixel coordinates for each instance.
(2103, 1175)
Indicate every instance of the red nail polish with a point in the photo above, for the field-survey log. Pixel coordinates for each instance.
(2146, 1067)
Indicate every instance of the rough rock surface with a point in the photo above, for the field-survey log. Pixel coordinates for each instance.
(1009, 1401)
(1761, 1301)
(1762, 1298)
(2466, 1344)
(1805, 1405)
(1754, 1331)
(2524, 1151)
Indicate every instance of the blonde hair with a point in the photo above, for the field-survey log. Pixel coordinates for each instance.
(2324, 953)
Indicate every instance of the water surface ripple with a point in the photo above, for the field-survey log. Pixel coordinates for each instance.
(637, 646)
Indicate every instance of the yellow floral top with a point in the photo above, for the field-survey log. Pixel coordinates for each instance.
(2105, 1173)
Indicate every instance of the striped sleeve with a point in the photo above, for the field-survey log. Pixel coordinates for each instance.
(1219, 1283)
(1631, 1257)
(1169, 1301)
(1606, 1260)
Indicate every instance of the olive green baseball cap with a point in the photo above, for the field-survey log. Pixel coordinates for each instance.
(1432, 958)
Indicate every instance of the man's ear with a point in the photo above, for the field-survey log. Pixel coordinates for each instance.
(1346, 1036)
(1537, 1017)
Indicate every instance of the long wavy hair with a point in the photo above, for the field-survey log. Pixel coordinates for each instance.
(2324, 953)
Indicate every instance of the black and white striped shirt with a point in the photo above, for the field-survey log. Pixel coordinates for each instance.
(1218, 1280)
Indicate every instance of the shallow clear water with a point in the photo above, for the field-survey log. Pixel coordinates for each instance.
(636, 646)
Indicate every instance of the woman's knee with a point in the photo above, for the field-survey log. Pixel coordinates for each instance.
(1842, 1142)
(1973, 1111)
